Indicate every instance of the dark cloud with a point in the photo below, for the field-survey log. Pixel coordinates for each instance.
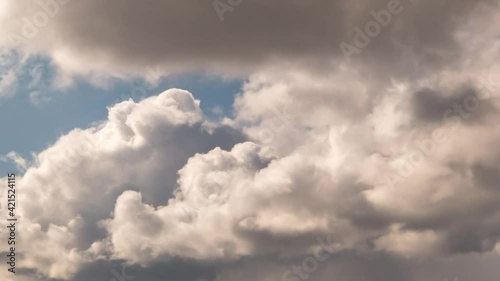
(176, 270)
(187, 35)
(430, 106)
(487, 176)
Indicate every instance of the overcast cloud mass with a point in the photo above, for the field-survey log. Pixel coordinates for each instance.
(362, 146)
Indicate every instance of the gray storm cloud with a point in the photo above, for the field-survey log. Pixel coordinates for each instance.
(128, 36)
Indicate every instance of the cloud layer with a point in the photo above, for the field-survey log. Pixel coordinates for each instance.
(119, 37)
(367, 185)
(386, 168)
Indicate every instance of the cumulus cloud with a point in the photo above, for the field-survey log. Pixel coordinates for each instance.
(389, 165)
(370, 191)
(140, 146)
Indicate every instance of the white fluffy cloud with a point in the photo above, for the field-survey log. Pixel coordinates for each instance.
(165, 183)
(141, 146)
(394, 161)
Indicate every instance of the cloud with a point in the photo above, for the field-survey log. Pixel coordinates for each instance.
(174, 186)
(375, 155)
(20, 162)
(140, 147)
(298, 33)
(11, 64)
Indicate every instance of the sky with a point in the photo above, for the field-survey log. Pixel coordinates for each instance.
(41, 118)
(237, 140)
